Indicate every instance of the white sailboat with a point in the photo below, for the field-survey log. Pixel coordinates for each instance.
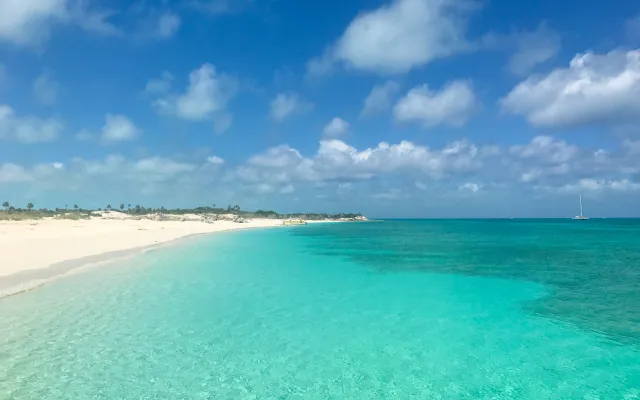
(581, 216)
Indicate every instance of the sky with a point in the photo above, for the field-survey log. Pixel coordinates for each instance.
(397, 108)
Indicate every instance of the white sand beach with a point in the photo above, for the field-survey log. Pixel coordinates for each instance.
(31, 251)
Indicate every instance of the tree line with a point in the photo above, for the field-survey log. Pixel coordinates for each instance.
(213, 209)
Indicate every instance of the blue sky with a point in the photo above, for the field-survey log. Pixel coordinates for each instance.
(403, 108)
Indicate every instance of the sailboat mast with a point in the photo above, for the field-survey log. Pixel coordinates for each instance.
(581, 205)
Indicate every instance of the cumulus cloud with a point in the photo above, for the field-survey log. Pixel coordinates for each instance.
(550, 163)
(597, 185)
(220, 6)
(161, 85)
(594, 89)
(167, 25)
(380, 98)
(207, 94)
(547, 150)
(549, 166)
(215, 160)
(398, 37)
(29, 22)
(632, 146)
(85, 135)
(27, 129)
(544, 158)
(337, 127)
(534, 48)
(118, 128)
(285, 105)
(155, 169)
(13, 173)
(471, 187)
(46, 89)
(336, 161)
(205, 99)
(452, 105)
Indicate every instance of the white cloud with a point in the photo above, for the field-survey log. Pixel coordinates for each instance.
(215, 160)
(84, 135)
(29, 22)
(398, 37)
(27, 129)
(46, 89)
(452, 105)
(119, 128)
(168, 25)
(161, 85)
(10, 172)
(534, 48)
(549, 166)
(287, 189)
(543, 158)
(220, 6)
(593, 89)
(320, 65)
(207, 93)
(380, 98)
(632, 146)
(593, 185)
(222, 122)
(421, 185)
(336, 127)
(94, 21)
(13, 173)
(150, 169)
(161, 166)
(285, 105)
(547, 150)
(206, 97)
(281, 156)
(471, 187)
(337, 161)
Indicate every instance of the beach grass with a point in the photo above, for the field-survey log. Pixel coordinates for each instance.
(23, 216)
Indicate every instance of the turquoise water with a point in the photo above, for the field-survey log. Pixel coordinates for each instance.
(393, 310)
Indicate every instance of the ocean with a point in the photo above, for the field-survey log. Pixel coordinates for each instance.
(428, 309)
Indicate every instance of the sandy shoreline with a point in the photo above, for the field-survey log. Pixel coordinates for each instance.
(33, 253)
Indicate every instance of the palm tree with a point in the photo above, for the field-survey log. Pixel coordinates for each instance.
(29, 206)
(109, 207)
(6, 205)
(75, 207)
(121, 207)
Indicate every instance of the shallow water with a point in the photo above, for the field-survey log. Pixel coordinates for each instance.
(314, 313)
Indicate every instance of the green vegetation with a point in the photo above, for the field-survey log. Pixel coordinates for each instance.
(73, 216)
(16, 214)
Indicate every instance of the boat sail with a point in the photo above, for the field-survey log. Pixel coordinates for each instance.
(581, 216)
